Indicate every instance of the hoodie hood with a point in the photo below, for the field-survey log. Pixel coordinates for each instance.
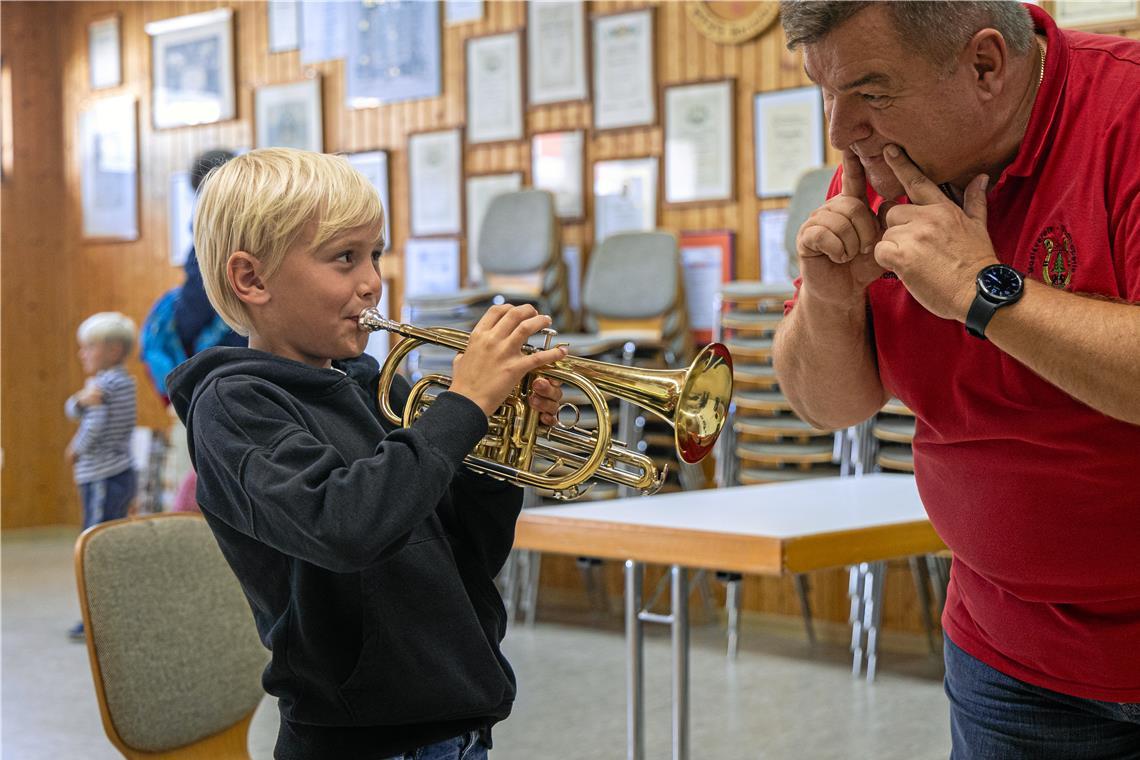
(188, 379)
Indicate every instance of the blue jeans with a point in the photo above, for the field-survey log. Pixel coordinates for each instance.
(109, 498)
(469, 746)
(995, 717)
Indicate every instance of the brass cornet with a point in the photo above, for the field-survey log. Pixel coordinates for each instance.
(693, 401)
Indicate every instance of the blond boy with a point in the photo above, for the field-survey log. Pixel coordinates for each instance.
(367, 552)
(100, 451)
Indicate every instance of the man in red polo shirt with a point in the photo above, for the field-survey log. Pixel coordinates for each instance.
(995, 293)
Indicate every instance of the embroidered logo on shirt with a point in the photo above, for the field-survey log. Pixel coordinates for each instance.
(1058, 257)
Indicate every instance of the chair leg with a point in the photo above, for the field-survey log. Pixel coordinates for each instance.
(857, 579)
(732, 583)
(873, 614)
(803, 586)
(530, 590)
(921, 574)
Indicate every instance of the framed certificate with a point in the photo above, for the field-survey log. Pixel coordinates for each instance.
(284, 21)
(699, 142)
(481, 190)
(104, 53)
(556, 52)
(625, 196)
(706, 264)
(181, 217)
(393, 51)
(776, 265)
(192, 68)
(462, 11)
(624, 82)
(431, 266)
(1104, 13)
(494, 88)
(289, 115)
(557, 164)
(373, 164)
(435, 179)
(789, 138)
(109, 153)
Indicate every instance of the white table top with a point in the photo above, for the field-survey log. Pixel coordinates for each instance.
(768, 528)
(777, 510)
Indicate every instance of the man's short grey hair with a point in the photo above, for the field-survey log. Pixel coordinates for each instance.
(936, 29)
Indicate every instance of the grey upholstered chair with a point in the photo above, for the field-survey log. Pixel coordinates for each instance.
(174, 653)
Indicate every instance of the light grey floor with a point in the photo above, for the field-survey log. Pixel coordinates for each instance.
(778, 700)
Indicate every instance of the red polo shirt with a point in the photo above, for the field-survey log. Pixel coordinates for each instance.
(1037, 494)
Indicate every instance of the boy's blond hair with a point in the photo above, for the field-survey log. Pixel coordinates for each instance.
(261, 202)
(108, 327)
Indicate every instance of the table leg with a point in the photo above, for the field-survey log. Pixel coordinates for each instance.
(635, 659)
(680, 614)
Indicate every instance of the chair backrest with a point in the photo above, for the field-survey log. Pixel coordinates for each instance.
(174, 653)
(810, 193)
(519, 233)
(633, 275)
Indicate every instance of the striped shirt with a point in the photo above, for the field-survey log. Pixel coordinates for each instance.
(103, 442)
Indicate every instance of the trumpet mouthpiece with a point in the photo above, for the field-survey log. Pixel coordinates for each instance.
(371, 320)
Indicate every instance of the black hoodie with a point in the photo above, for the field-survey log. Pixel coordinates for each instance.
(367, 552)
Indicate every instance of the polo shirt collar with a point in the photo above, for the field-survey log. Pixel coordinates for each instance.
(1034, 143)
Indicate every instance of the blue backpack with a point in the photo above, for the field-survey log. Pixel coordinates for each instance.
(159, 346)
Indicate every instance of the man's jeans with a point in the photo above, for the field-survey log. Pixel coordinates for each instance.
(995, 717)
(470, 746)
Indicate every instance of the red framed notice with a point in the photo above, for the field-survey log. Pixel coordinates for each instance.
(707, 262)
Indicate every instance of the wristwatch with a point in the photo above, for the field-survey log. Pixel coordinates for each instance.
(998, 285)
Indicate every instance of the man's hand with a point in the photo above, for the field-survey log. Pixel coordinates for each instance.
(836, 244)
(935, 248)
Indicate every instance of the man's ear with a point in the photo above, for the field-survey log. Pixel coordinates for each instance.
(988, 56)
(243, 272)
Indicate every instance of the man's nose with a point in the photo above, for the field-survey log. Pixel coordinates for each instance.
(846, 125)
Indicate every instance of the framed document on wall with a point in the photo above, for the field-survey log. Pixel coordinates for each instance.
(108, 150)
(776, 264)
(494, 88)
(699, 142)
(789, 138)
(625, 196)
(192, 69)
(393, 52)
(284, 20)
(435, 179)
(557, 164)
(625, 89)
(431, 266)
(373, 164)
(481, 190)
(706, 263)
(556, 52)
(1082, 13)
(289, 116)
(104, 53)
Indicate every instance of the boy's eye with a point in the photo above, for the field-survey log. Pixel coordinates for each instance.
(344, 256)
(376, 256)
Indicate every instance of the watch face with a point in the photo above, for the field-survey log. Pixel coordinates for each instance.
(1000, 282)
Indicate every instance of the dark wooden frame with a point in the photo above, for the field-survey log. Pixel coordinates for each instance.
(462, 184)
(732, 147)
(654, 92)
(582, 170)
(587, 58)
(520, 38)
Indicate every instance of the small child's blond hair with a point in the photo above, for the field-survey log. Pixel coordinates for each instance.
(108, 327)
(261, 202)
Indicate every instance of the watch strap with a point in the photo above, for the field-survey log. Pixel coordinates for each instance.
(979, 316)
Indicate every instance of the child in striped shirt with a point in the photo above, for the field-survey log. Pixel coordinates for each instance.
(100, 452)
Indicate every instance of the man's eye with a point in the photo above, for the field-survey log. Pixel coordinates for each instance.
(876, 99)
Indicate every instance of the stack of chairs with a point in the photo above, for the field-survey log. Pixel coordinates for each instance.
(521, 258)
(768, 443)
(893, 430)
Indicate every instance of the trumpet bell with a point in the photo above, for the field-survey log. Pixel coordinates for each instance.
(703, 405)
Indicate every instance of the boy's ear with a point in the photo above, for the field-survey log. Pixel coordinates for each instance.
(243, 273)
